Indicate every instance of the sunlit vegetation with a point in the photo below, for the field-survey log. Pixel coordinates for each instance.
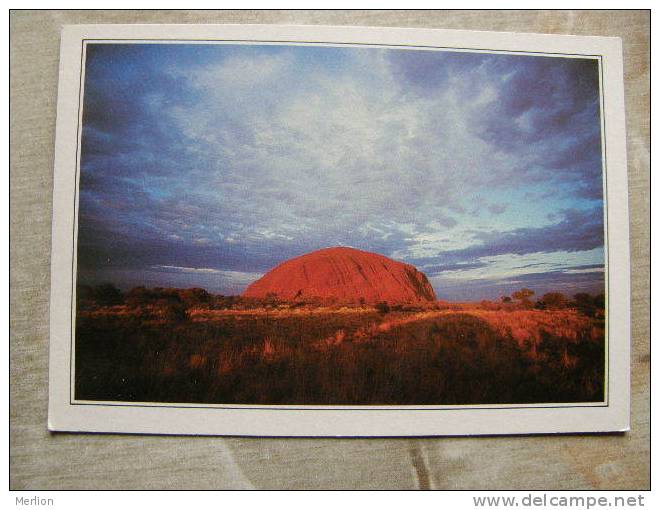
(186, 345)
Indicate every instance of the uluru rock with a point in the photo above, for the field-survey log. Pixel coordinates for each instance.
(344, 275)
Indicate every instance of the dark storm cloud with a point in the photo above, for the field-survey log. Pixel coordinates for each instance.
(457, 266)
(577, 231)
(551, 281)
(582, 267)
(429, 71)
(558, 277)
(547, 108)
(235, 158)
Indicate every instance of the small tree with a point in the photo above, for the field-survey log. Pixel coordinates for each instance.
(139, 296)
(271, 299)
(85, 296)
(554, 300)
(588, 304)
(506, 299)
(194, 297)
(107, 294)
(523, 296)
(173, 312)
(599, 301)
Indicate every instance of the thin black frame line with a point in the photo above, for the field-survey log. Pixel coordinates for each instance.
(74, 268)
(372, 45)
(366, 408)
(607, 221)
(337, 407)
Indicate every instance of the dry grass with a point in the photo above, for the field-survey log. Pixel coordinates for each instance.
(337, 355)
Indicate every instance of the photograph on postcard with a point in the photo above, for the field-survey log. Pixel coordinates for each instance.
(304, 224)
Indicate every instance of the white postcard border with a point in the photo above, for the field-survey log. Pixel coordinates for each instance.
(124, 417)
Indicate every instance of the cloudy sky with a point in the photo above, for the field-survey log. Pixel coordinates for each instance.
(206, 165)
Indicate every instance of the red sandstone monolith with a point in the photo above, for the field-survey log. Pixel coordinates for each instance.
(344, 275)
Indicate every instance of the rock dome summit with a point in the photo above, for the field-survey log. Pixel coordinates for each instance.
(344, 274)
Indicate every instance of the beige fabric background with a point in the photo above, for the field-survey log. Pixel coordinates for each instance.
(40, 460)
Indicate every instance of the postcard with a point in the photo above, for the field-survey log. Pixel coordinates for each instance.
(322, 231)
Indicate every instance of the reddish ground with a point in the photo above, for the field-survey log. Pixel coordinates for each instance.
(169, 345)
